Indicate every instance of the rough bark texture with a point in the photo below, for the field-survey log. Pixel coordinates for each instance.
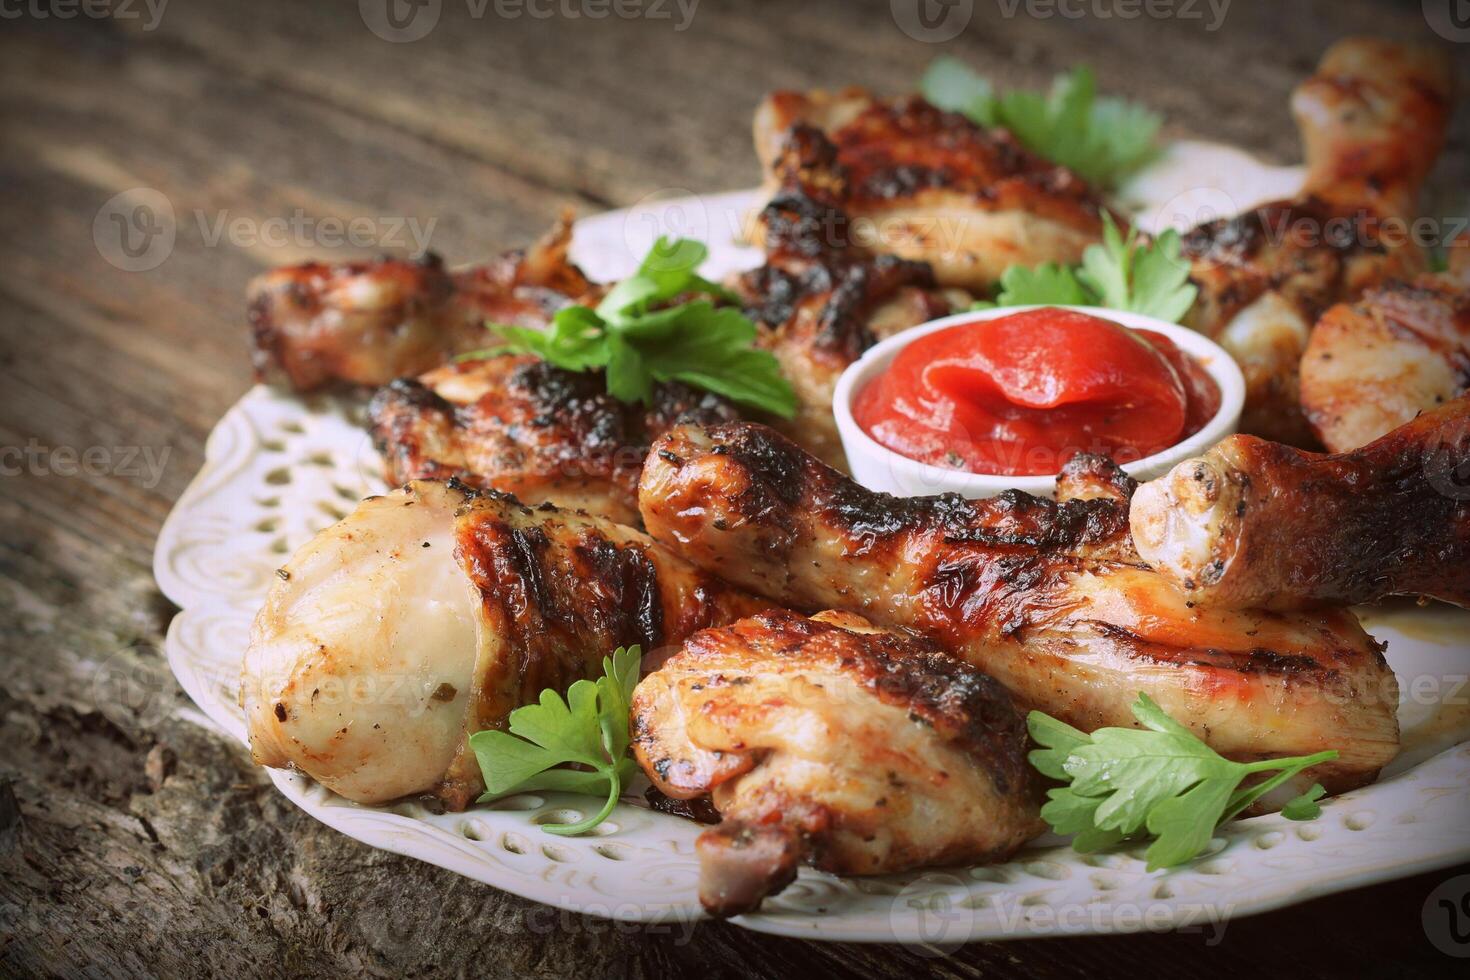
(132, 840)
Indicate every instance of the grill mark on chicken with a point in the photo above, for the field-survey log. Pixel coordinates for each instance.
(822, 301)
(1309, 250)
(968, 200)
(893, 150)
(518, 424)
(849, 285)
(1013, 518)
(634, 583)
(514, 568)
(1403, 348)
(698, 808)
(863, 750)
(1048, 596)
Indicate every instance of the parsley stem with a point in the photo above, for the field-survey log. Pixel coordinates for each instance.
(1244, 797)
(614, 790)
(1296, 762)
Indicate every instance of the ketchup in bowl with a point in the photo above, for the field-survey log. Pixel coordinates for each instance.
(1020, 395)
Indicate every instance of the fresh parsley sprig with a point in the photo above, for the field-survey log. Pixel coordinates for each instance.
(1121, 273)
(589, 728)
(1102, 139)
(638, 335)
(1157, 782)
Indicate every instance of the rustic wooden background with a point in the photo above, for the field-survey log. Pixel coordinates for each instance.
(132, 841)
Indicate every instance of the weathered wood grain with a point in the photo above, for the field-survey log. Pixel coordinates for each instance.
(134, 841)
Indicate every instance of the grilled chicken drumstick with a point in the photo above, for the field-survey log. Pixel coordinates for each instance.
(430, 613)
(521, 425)
(1047, 597)
(863, 750)
(1373, 119)
(1404, 348)
(923, 184)
(366, 323)
(1255, 523)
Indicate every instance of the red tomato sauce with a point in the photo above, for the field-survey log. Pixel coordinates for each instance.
(1020, 395)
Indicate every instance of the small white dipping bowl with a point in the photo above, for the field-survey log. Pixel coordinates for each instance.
(877, 467)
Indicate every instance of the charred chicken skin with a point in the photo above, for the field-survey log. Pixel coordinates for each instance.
(1402, 349)
(924, 184)
(517, 424)
(365, 323)
(1050, 598)
(525, 427)
(862, 750)
(1255, 523)
(820, 306)
(431, 613)
(1373, 120)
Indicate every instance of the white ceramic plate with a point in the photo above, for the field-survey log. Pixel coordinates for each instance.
(278, 468)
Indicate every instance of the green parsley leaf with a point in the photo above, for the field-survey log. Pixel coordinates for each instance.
(666, 273)
(1159, 782)
(1071, 813)
(1150, 279)
(588, 728)
(1068, 811)
(1102, 139)
(952, 85)
(1305, 807)
(1048, 284)
(1059, 739)
(1105, 267)
(1176, 825)
(615, 694)
(1161, 286)
(639, 335)
(574, 341)
(1137, 770)
(1120, 273)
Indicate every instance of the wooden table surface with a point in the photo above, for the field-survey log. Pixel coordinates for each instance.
(133, 841)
